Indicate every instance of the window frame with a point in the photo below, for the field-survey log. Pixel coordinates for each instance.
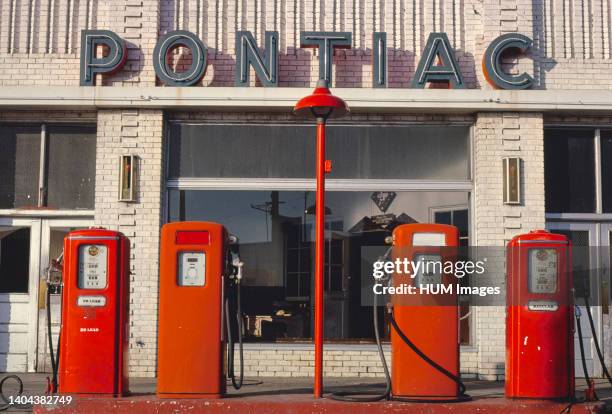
(41, 208)
(298, 184)
(451, 209)
(337, 184)
(598, 214)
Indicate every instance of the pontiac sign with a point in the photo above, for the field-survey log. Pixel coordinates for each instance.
(437, 64)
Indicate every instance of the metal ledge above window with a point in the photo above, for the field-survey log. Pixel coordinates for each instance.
(579, 216)
(282, 99)
(310, 184)
(46, 213)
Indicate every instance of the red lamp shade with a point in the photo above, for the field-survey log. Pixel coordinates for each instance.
(321, 104)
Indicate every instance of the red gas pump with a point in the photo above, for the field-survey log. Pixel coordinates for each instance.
(195, 267)
(539, 317)
(94, 328)
(425, 334)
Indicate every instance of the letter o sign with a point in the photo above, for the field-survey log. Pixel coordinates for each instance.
(166, 44)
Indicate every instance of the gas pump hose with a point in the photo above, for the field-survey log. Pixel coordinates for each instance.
(585, 371)
(462, 394)
(237, 384)
(595, 339)
(54, 358)
(369, 397)
(353, 396)
(362, 397)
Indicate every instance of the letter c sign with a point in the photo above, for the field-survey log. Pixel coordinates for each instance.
(491, 63)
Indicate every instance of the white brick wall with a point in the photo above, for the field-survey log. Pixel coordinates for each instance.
(339, 361)
(497, 135)
(137, 132)
(568, 54)
(33, 51)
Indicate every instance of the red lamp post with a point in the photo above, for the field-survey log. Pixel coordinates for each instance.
(321, 105)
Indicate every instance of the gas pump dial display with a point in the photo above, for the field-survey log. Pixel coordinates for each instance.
(542, 270)
(191, 268)
(93, 265)
(429, 270)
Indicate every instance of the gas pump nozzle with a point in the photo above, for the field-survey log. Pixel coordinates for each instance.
(53, 274)
(238, 264)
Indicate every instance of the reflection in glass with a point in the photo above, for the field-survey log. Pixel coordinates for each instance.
(569, 170)
(606, 171)
(19, 161)
(71, 167)
(277, 245)
(434, 152)
(581, 260)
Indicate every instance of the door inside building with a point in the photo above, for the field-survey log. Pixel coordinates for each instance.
(589, 279)
(19, 263)
(26, 246)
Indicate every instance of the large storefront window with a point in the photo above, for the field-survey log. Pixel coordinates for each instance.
(236, 174)
(287, 151)
(65, 178)
(276, 232)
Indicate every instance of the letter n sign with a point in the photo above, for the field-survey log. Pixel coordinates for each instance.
(438, 63)
(90, 64)
(247, 54)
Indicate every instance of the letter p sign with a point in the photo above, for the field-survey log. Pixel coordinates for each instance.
(90, 64)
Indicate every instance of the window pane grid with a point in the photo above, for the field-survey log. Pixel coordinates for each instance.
(66, 162)
(287, 151)
(278, 248)
(569, 170)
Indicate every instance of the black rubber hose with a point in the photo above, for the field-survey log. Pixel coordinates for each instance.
(597, 349)
(581, 345)
(53, 357)
(353, 396)
(7, 402)
(230, 341)
(238, 384)
(462, 394)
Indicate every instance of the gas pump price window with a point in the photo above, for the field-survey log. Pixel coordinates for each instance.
(542, 270)
(191, 269)
(428, 273)
(93, 266)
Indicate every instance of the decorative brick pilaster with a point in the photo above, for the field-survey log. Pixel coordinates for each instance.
(497, 135)
(138, 132)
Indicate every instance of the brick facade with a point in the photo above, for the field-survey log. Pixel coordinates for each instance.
(340, 361)
(572, 50)
(40, 46)
(497, 135)
(137, 132)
